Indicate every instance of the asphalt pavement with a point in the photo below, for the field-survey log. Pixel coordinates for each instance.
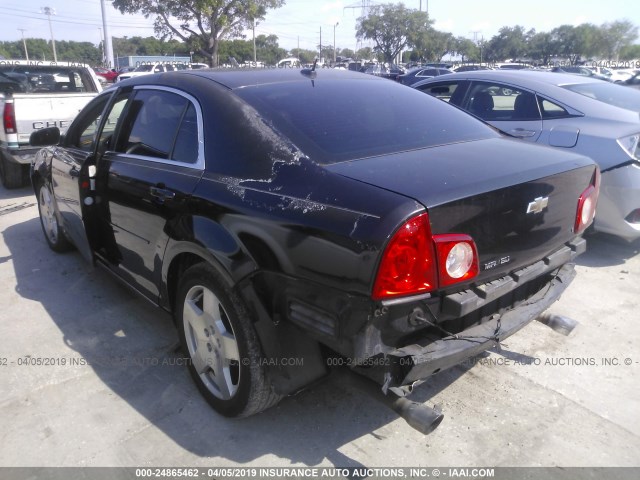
(90, 376)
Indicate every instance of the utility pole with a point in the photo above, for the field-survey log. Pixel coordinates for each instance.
(24, 44)
(48, 11)
(334, 42)
(320, 45)
(108, 46)
(255, 64)
(101, 46)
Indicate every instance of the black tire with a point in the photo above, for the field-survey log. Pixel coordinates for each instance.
(48, 211)
(216, 333)
(12, 174)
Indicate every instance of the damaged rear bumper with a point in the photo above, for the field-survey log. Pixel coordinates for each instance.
(412, 364)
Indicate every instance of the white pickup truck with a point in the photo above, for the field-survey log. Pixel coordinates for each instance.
(35, 95)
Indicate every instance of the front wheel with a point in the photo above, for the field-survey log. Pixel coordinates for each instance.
(56, 239)
(226, 361)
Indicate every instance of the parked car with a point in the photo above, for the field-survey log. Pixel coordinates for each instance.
(272, 211)
(147, 69)
(391, 72)
(470, 68)
(633, 82)
(582, 71)
(597, 119)
(421, 73)
(109, 75)
(34, 96)
(613, 75)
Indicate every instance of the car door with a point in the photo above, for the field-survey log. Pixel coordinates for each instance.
(70, 172)
(146, 180)
(511, 109)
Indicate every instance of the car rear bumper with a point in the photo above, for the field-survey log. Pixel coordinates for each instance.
(450, 351)
(402, 368)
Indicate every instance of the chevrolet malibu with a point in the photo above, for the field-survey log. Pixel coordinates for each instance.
(581, 114)
(273, 212)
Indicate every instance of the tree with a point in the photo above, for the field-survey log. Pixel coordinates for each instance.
(201, 24)
(268, 50)
(467, 50)
(616, 36)
(347, 53)
(630, 52)
(541, 47)
(392, 27)
(432, 45)
(509, 44)
(305, 56)
(566, 43)
(365, 53)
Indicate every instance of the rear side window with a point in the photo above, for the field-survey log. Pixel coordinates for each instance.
(550, 109)
(336, 121)
(610, 93)
(160, 124)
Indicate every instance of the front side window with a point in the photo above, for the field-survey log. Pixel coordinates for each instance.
(497, 102)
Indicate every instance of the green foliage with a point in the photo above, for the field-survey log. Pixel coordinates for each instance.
(201, 24)
(630, 52)
(305, 56)
(39, 49)
(392, 27)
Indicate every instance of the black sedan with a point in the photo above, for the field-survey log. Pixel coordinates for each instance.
(276, 211)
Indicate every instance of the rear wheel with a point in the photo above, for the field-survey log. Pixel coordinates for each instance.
(56, 239)
(215, 331)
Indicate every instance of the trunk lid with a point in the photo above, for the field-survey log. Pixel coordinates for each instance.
(517, 201)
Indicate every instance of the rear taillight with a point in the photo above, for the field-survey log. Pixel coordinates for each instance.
(587, 202)
(9, 118)
(415, 261)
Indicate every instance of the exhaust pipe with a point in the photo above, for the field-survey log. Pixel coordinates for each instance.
(419, 416)
(559, 323)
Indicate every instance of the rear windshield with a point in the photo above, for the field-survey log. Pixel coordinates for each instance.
(44, 79)
(337, 121)
(616, 95)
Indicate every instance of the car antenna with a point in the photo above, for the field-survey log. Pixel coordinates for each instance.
(310, 72)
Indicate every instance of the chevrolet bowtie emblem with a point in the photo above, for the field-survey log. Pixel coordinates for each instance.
(538, 205)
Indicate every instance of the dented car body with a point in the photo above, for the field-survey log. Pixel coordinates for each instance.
(273, 212)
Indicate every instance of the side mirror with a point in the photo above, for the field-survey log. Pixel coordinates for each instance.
(45, 137)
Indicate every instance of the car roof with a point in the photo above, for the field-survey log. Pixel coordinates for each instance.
(538, 80)
(247, 77)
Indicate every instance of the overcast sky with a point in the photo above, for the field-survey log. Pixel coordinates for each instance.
(299, 21)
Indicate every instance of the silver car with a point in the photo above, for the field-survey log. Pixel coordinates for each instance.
(596, 118)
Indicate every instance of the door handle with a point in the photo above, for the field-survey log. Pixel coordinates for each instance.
(162, 193)
(521, 132)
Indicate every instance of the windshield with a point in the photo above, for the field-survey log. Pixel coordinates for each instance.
(336, 121)
(144, 68)
(610, 93)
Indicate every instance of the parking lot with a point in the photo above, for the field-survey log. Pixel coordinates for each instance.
(91, 376)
